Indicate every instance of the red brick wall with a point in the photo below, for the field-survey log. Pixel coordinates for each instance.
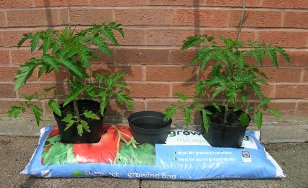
(150, 52)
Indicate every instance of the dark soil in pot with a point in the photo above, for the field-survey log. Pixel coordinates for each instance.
(71, 134)
(222, 134)
(149, 127)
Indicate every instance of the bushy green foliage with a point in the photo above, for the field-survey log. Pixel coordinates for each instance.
(231, 78)
(71, 51)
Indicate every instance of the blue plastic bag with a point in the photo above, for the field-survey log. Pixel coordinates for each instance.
(185, 156)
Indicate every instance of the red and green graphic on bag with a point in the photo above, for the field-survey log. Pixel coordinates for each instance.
(116, 146)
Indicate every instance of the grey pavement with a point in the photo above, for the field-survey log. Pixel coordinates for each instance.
(15, 152)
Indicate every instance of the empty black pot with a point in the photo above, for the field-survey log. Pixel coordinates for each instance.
(71, 135)
(224, 135)
(149, 127)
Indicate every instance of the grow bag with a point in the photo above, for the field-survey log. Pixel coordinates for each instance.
(185, 156)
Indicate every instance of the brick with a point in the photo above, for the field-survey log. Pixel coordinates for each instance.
(10, 38)
(170, 73)
(176, 37)
(302, 108)
(284, 38)
(143, 16)
(292, 91)
(296, 19)
(15, 3)
(59, 3)
(257, 18)
(21, 56)
(283, 107)
(178, 2)
(102, 58)
(88, 16)
(7, 91)
(117, 3)
(133, 73)
(4, 57)
(234, 3)
(132, 37)
(305, 78)
(128, 56)
(192, 17)
(299, 58)
(2, 20)
(179, 56)
(268, 90)
(32, 88)
(282, 74)
(149, 90)
(286, 3)
(161, 106)
(187, 89)
(117, 110)
(48, 17)
(7, 73)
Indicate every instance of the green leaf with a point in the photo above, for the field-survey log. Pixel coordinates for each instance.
(244, 119)
(73, 68)
(217, 91)
(51, 61)
(34, 41)
(283, 53)
(192, 41)
(27, 97)
(122, 98)
(169, 112)
(90, 115)
(258, 119)
(205, 119)
(107, 31)
(273, 56)
(182, 97)
(46, 42)
(85, 125)
(55, 107)
(187, 115)
(80, 129)
(24, 73)
(14, 111)
(103, 102)
(216, 106)
(41, 71)
(265, 101)
(75, 93)
(102, 45)
(244, 98)
(68, 119)
(275, 112)
(48, 89)
(37, 113)
(26, 36)
(117, 76)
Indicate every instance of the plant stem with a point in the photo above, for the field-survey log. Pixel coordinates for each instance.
(226, 112)
(241, 20)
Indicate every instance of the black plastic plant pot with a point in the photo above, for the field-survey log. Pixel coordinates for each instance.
(71, 135)
(149, 127)
(224, 135)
